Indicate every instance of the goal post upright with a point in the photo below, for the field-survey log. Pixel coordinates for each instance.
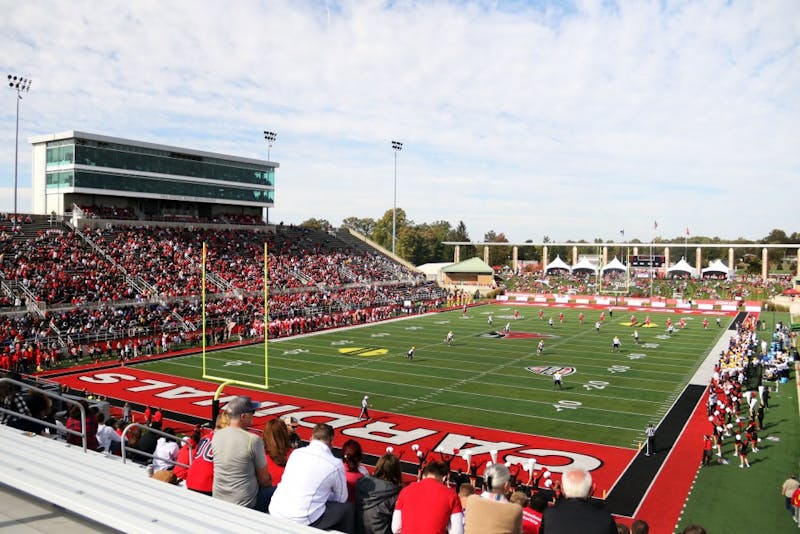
(203, 306)
(266, 317)
(214, 374)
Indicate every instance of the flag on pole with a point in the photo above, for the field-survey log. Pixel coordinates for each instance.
(655, 225)
(622, 232)
(687, 230)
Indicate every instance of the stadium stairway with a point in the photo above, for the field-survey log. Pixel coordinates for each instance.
(91, 492)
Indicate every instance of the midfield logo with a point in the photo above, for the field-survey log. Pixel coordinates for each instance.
(527, 335)
(492, 334)
(550, 370)
(516, 335)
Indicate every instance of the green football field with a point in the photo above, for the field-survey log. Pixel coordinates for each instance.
(484, 379)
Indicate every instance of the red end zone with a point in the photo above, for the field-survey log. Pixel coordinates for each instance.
(385, 429)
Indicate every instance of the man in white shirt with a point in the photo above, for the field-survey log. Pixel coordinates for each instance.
(364, 408)
(313, 489)
(107, 437)
(166, 452)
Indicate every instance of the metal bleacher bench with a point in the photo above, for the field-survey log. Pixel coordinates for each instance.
(117, 495)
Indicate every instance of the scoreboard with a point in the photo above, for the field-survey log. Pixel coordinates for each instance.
(646, 260)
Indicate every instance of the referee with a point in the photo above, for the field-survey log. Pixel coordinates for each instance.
(650, 432)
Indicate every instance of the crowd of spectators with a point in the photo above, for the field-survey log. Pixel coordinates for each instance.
(108, 212)
(739, 390)
(563, 282)
(59, 267)
(93, 306)
(11, 224)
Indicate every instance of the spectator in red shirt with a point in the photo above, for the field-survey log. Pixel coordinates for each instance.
(200, 476)
(188, 443)
(429, 506)
(532, 509)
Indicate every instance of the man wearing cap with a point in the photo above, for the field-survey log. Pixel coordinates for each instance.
(364, 408)
(313, 489)
(240, 464)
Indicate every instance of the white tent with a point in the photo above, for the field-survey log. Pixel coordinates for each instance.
(615, 265)
(682, 267)
(584, 265)
(557, 263)
(717, 267)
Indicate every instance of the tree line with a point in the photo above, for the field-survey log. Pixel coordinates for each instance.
(424, 243)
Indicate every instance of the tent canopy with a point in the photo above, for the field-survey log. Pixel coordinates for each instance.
(584, 265)
(716, 267)
(557, 263)
(682, 267)
(615, 265)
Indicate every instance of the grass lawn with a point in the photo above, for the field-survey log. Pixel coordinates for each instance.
(482, 379)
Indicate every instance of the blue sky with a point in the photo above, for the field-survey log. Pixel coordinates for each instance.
(570, 120)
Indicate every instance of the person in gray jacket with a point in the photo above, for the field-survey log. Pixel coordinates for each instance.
(376, 496)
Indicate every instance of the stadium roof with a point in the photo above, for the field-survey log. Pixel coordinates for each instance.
(36, 139)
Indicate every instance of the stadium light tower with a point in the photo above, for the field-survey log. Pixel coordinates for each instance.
(397, 146)
(20, 85)
(270, 138)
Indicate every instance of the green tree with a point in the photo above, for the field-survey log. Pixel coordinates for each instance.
(497, 255)
(435, 235)
(529, 253)
(423, 243)
(459, 234)
(316, 224)
(411, 244)
(364, 225)
(382, 233)
(776, 237)
(553, 251)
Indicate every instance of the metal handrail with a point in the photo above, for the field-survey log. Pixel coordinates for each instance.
(151, 456)
(50, 394)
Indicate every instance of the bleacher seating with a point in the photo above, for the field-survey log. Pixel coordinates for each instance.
(119, 495)
(116, 283)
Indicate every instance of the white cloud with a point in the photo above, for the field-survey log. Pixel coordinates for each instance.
(567, 121)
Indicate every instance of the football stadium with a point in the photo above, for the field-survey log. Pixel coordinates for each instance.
(134, 306)
(177, 354)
